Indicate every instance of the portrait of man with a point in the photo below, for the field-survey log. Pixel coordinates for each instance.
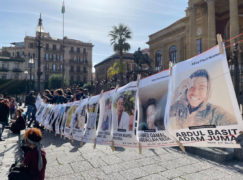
(106, 122)
(121, 118)
(190, 106)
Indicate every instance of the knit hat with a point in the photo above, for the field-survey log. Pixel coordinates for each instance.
(34, 136)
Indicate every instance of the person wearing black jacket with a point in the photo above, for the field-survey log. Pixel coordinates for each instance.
(31, 110)
(19, 124)
(59, 97)
(4, 114)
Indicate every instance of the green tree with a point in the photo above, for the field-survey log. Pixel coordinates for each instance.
(115, 69)
(55, 81)
(119, 36)
(87, 86)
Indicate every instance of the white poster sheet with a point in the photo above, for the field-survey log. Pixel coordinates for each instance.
(54, 117)
(78, 121)
(39, 111)
(49, 116)
(152, 97)
(202, 109)
(67, 129)
(64, 118)
(92, 120)
(59, 119)
(123, 115)
(103, 133)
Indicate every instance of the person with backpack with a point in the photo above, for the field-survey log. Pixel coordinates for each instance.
(34, 164)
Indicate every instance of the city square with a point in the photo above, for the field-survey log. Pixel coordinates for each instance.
(121, 90)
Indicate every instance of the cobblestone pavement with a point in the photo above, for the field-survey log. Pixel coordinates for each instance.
(66, 160)
(8, 152)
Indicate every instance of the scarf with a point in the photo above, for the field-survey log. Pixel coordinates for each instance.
(38, 146)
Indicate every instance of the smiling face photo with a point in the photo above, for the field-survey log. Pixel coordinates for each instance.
(191, 103)
(198, 92)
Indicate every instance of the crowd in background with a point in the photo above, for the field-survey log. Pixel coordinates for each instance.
(14, 117)
(60, 96)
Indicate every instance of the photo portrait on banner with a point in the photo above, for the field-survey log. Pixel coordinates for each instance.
(105, 118)
(59, 119)
(123, 115)
(56, 109)
(92, 119)
(64, 118)
(67, 129)
(152, 97)
(79, 119)
(49, 116)
(202, 109)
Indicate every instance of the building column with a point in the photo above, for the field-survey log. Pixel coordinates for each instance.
(211, 23)
(192, 25)
(234, 18)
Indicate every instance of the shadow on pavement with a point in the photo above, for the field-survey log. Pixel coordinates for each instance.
(155, 153)
(51, 139)
(6, 150)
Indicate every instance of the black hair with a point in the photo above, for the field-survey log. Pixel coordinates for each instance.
(200, 73)
(151, 101)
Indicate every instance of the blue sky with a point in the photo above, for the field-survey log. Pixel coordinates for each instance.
(89, 20)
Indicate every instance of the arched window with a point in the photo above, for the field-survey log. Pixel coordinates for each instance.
(158, 60)
(173, 54)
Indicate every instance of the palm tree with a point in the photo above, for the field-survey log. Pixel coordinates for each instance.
(119, 35)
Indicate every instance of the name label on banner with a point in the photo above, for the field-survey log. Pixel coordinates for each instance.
(223, 135)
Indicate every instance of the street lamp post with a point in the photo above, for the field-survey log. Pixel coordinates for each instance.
(39, 30)
(31, 63)
(26, 74)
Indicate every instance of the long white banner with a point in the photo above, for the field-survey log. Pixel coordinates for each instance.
(194, 104)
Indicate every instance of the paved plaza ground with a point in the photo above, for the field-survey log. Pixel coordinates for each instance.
(66, 160)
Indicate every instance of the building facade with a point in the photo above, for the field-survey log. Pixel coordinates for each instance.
(102, 67)
(74, 59)
(12, 68)
(196, 32)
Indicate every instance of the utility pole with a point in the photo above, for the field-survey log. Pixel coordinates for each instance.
(63, 50)
(39, 54)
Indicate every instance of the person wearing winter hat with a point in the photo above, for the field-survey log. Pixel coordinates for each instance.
(35, 158)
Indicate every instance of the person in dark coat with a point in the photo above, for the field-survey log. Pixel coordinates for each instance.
(19, 124)
(4, 114)
(60, 99)
(34, 163)
(48, 96)
(30, 103)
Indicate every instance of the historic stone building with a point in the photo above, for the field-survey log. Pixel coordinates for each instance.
(196, 32)
(102, 67)
(75, 58)
(12, 68)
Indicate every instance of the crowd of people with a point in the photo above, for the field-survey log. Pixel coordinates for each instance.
(16, 119)
(33, 164)
(60, 96)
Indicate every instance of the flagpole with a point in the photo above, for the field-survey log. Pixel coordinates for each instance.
(63, 63)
